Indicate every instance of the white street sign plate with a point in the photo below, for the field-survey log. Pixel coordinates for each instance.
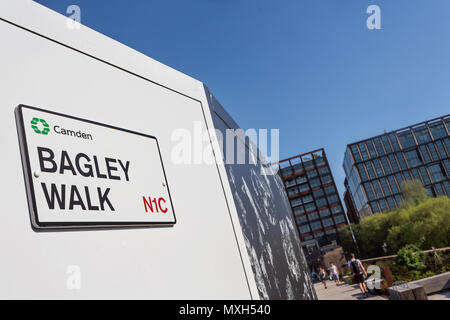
(84, 174)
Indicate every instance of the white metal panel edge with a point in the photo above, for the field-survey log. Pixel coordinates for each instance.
(229, 198)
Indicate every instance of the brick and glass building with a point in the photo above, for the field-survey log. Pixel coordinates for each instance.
(376, 167)
(313, 196)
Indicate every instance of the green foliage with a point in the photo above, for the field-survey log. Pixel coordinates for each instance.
(413, 192)
(412, 257)
(426, 224)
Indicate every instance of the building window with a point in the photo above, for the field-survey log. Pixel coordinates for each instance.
(391, 203)
(299, 210)
(301, 179)
(433, 152)
(336, 209)
(333, 199)
(301, 220)
(406, 139)
(304, 229)
(362, 172)
(316, 225)
(413, 158)
(330, 190)
(370, 170)
(314, 182)
(297, 167)
(394, 141)
(377, 189)
(318, 193)
(378, 146)
(310, 206)
(393, 184)
(331, 231)
(339, 219)
(441, 149)
(447, 187)
(393, 162)
(321, 202)
(401, 161)
(286, 171)
(371, 149)
(304, 187)
(384, 162)
(292, 191)
(369, 191)
(438, 130)
(319, 161)
(385, 187)
(439, 189)
(323, 171)
(424, 174)
(378, 169)
(416, 175)
(447, 166)
(326, 179)
(447, 144)
(374, 207)
(289, 183)
(327, 222)
(364, 154)
(398, 199)
(312, 174)
(422, 134)
(307, 198)
(386, 144)
(382, 204)
(313, 216)
(355, 153)
(425, 154)
(324, 213)
(436, 173)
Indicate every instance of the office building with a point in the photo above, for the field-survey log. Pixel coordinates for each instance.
(313, 196)
(376, 167)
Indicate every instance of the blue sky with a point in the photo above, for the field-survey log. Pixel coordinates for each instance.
(308, 67)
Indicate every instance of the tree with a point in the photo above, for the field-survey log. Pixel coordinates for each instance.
(413, 192)
(426, 223)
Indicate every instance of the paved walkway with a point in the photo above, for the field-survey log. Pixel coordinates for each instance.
(342, 292)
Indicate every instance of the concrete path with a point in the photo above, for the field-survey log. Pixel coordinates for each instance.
(342, 292)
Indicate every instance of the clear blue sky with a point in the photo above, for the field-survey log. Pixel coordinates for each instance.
(308, 67)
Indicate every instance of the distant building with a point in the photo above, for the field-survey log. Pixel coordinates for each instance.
(313, 196)
(352, 214)
(376, 167)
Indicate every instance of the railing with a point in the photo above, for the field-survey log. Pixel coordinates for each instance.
(372, 260)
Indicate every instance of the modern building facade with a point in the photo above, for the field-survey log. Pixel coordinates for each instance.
(351, 212)
(376, 167)
(313, 196)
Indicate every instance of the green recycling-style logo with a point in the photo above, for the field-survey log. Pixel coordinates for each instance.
(44, 124)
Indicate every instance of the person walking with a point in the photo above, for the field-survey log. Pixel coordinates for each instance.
(334, 273)
(359, 273)
(323, 276)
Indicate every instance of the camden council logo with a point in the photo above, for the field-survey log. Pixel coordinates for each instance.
(40, 126)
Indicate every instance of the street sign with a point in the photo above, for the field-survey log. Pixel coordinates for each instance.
(84, 174)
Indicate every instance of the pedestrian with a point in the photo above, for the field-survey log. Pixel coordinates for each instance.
(359, 273)
(334, 273)
(323, 276)
(314, 275)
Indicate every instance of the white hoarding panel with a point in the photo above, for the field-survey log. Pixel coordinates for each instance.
(81, 173)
